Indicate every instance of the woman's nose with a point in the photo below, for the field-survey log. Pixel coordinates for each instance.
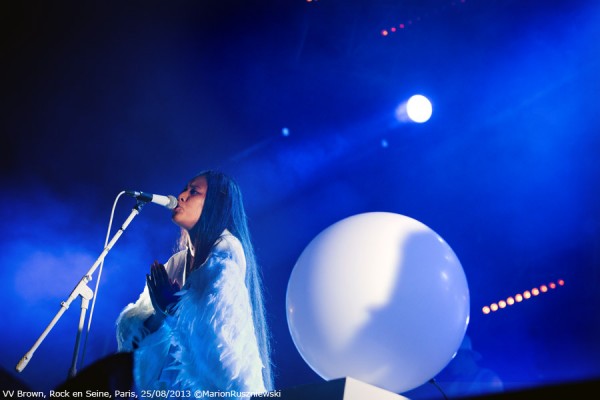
(183, 196)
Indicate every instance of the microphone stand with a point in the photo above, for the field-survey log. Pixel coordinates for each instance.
(81, 289)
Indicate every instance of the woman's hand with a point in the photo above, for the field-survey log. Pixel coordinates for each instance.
(162, 290)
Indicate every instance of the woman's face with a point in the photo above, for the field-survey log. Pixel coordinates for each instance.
(190, 203)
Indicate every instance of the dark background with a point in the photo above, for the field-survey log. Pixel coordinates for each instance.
(103, 96)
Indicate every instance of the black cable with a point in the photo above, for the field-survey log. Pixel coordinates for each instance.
(434, 383)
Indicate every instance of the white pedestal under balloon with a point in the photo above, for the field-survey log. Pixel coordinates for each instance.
(339, 389)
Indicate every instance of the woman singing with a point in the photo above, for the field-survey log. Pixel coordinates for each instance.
(200, 322)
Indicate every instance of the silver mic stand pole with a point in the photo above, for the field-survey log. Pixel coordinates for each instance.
(86, 294)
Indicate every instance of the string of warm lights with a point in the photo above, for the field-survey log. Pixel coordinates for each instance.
(406, 24)
(518, 298)
(411, 21)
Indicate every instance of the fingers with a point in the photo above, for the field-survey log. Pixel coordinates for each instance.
(161, 289)
(150, 284)
(156, 296)
(159, 274)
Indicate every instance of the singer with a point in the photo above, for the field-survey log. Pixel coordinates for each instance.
(200, 322)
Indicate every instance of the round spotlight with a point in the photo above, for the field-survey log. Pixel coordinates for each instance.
(418, 108)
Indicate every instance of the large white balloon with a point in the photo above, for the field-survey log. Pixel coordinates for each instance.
(379, 297)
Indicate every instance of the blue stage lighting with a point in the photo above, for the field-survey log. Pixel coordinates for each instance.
(418, 108)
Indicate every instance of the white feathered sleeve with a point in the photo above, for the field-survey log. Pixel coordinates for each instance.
(130, 323)
(212, 325)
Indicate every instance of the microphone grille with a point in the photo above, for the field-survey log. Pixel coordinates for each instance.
(172, 202)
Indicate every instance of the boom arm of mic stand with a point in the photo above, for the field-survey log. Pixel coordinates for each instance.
(81, 289)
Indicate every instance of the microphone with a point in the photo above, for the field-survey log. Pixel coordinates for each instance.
(166, 201)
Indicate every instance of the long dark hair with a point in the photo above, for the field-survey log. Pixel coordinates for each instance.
(224, 209)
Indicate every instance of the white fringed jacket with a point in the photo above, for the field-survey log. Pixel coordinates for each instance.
(208, 340)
